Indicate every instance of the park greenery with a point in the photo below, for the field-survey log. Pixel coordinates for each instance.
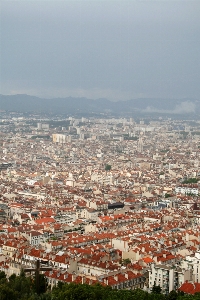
(107, 167)
(131, 138)
(167, 195)
(23, 287)
(190, 180)
(44, 137)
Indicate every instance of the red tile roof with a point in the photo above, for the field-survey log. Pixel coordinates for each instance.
(45, 220)
(190, 288)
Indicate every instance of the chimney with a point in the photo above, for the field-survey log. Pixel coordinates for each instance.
(106, 281)
(83, 279)
(73, 277)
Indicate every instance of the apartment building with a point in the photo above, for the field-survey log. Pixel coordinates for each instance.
(168, 277)
(193, 263)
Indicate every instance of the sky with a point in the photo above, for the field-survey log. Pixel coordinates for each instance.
(114, 49)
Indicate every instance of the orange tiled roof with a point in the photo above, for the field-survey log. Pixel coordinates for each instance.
(190, 288)
(45, 220)
(148, 260)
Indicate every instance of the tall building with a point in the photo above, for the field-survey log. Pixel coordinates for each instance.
(193, 263)
(140, 144)
(61, 138)
(41, 126)
(168, 277)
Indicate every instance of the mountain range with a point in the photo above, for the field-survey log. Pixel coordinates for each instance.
(71, 105)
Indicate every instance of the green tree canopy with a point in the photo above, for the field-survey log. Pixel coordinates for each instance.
(107, 167)
(23, 288)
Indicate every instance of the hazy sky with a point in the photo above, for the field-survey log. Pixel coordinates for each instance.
(100, 49)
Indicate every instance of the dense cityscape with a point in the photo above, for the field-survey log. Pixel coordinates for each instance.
(101, 200)
(99, 150)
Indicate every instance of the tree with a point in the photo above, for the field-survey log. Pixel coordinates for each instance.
(190, 180)
(23, 288)
(126, 261)
(167, 195)
(156, 289)
(107, 167)
(2, 275)
(140, 295)
(12, 277)
(7, 293)
(173, 295)
(42, 284)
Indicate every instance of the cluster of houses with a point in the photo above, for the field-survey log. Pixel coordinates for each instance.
(101, 202)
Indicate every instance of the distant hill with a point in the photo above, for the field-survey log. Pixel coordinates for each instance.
(71, 105)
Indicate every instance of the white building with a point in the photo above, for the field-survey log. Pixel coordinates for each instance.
(70, 181)
(187, 190)
(193, 263)
(167, 277)
(61, 138)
